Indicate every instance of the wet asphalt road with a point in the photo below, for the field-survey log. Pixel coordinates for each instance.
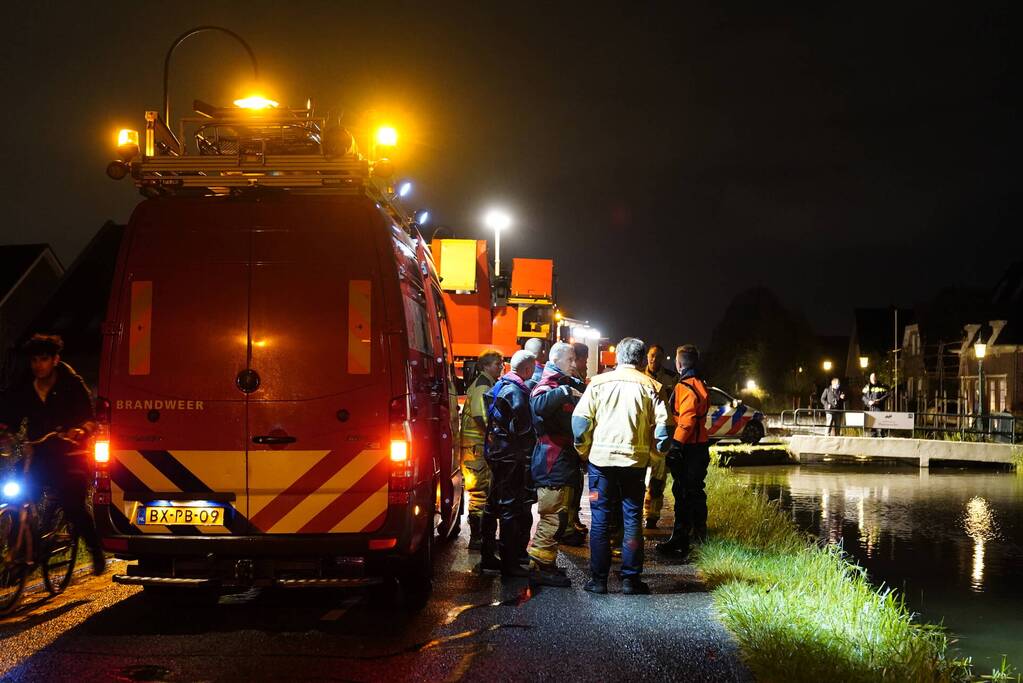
(475, 628)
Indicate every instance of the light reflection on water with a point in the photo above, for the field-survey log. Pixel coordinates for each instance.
(950, 540)
(980, 525)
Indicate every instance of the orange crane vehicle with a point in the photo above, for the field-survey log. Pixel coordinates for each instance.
(488, 312)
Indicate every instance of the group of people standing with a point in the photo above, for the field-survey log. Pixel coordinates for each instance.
(875, 396)
(532, 435)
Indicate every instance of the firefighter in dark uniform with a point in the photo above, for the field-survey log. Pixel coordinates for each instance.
(875, 396)
(56, 399)
(508, 448)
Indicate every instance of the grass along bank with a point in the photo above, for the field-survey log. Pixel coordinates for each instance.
(801, 611)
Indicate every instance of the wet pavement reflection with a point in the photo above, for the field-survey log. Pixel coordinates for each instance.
(950, 539)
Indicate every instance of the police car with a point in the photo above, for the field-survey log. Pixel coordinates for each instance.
(730, 418)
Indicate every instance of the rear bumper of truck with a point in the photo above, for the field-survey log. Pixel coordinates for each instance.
(285, 560)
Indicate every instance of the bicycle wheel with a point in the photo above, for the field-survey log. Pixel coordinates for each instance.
(59, 553)
(13, 568)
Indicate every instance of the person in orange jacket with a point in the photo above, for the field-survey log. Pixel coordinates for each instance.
(688, 456)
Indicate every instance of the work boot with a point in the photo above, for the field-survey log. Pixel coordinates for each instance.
(547, 575)
(674, 549)
(633, 585)
(475, 538)
(573, 538)
(651, 522)
(99, 562)
(488, 546)
(598, 586)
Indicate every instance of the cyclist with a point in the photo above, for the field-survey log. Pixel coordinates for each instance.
(56, 399)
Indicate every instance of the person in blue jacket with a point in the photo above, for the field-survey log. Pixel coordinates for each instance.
(509, 441)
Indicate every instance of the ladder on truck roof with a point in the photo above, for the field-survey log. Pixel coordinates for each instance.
(237, 149)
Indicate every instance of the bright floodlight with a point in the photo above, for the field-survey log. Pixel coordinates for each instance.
(497, 220)
(255, 102)
(127, 137)
(405, 189)
(751, 385)
(387, 136)
(593, 333)
(12, 489)
(422, 217)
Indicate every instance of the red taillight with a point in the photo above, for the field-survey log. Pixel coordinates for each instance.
(101, 455)
(101, 444)
(382, 543)
(401, 455)
(101, 452)
(399, 450)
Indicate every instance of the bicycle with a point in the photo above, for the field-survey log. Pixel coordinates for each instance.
(32, 534)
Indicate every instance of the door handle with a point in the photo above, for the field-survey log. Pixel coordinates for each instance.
(272, 439)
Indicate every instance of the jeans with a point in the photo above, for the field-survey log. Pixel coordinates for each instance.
(610, 488)
(835, 423)
(66, 475)
(688, 471)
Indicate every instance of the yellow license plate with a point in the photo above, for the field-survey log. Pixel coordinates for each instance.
(171, 515)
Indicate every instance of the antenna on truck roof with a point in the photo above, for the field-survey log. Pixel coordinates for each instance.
(257, 143)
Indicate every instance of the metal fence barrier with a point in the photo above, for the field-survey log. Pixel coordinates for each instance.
(996, 427)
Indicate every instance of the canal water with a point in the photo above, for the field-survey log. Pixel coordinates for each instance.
(951, 540)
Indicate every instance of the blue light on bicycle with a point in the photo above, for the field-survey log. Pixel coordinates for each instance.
(12, 489)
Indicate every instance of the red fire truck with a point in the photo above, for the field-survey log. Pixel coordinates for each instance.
(276, 383)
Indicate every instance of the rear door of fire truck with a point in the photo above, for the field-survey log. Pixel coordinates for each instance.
(318, 422)
(177, 418)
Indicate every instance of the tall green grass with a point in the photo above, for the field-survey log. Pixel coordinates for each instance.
(800, 610)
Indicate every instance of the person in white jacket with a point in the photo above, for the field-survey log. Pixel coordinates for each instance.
(615, 424)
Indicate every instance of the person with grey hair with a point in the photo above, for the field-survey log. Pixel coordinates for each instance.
(508, 444)
(535, 346)
(555, 463)
(613, 424)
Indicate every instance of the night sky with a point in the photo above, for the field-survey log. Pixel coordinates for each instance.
(840, 154)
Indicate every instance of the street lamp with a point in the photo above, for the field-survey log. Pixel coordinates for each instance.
(751, 385)
(864, 362)
(980, 351)
(827, 365)
(497, 221)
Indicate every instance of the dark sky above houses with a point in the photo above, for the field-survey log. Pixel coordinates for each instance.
(667, 156)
